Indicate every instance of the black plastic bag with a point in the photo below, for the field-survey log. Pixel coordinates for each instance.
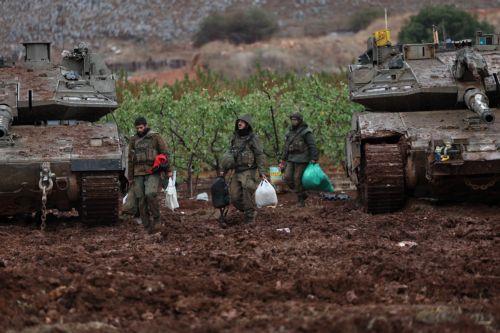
(220, 193)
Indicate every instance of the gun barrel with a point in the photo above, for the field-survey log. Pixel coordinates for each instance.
(477, 101)
(5, 120)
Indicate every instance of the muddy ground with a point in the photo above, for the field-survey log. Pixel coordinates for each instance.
(338, 269)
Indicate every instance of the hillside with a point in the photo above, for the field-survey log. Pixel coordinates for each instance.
(152, 39)
(330, 53)
(67, 22)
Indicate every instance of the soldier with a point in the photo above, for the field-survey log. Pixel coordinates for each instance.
(246, 157)
(144, 147)
(300, 149)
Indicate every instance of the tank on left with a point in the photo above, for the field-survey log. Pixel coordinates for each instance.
(56, 152)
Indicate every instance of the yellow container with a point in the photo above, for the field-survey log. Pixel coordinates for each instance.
(276, 176)
(382, 37)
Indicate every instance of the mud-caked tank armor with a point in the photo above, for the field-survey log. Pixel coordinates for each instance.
(53, 153)
(429, 128)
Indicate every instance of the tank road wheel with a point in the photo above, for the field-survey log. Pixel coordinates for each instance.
(100, 198)
(383, 179)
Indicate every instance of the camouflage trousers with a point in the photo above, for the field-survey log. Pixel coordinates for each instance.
(146, 192)
(242, 192)
(131, 206)
(293, 178)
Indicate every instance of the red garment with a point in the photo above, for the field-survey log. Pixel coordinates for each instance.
(160, 163)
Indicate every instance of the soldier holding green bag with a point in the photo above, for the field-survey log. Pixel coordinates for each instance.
(300, 150)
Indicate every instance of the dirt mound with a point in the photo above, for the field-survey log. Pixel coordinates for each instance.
(337, 269)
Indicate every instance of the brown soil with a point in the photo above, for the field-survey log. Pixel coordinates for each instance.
(338, 269)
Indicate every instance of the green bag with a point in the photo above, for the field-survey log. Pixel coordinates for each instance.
(315, 179)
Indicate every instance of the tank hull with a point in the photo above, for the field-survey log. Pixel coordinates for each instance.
(77, 155)
(52, 154)
(471, 170)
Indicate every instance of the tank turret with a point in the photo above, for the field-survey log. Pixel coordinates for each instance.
(428, 76)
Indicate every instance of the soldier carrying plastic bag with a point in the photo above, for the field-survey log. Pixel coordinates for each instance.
(300, 150)
(246, 157)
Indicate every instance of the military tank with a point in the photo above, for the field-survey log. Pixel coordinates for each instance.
(53, 154)
(428, 129)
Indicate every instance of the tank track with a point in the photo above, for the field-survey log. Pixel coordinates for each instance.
(383, 188)
(100, 198)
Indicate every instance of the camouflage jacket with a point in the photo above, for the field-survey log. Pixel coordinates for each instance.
(247, 150)
(300, 146)
(248, 153)
(142, 153)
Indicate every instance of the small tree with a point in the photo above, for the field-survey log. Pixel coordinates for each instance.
(247, 26)
(213, 27)
(456, 24)
(364, 17)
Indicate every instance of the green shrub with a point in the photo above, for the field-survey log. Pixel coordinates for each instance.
(456, 23)
(362, 18)
(238, 27)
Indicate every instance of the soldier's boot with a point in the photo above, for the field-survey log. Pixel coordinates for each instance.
(154, 225)
(222, 223)
(154, 213)
(158, 223)
(144, 214)
(250, 217)
(124, 217)
(146, 222)
(301, 199)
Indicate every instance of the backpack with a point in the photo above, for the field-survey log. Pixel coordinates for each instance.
(220, 193)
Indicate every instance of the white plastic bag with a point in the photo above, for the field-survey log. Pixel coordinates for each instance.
(265, 195)
(171, 194)
(202, 197)
(124, 201)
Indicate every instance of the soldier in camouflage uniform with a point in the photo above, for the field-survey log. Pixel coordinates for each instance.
(143, 149)
(246, 158)
(300, 149)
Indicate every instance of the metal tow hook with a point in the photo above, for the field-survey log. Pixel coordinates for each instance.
(45, 184)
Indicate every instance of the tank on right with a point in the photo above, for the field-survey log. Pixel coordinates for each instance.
(430, 126)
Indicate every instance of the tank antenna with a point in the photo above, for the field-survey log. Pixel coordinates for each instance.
(385, 14)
